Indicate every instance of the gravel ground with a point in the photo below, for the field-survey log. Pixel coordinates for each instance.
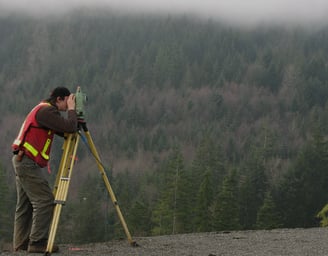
(294, 242)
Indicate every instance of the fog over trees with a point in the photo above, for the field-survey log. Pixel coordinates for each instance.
(202, 125)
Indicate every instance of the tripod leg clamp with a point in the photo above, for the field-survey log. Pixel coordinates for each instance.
(59, 202)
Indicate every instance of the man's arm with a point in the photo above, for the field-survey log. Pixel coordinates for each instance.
(51, 118)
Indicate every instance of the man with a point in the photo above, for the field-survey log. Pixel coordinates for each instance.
(35, 200)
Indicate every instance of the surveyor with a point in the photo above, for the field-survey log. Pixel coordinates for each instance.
(31, 148)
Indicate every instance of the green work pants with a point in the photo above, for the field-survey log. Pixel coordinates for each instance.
(35, 203)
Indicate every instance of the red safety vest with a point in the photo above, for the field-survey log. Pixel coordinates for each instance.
(34, 140)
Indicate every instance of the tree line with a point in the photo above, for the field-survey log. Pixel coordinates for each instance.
(205, 126)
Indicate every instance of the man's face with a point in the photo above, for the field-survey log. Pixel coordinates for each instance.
(62, 103)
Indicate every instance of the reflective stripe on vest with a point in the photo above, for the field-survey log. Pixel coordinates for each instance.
(45, 148)
(30, 148)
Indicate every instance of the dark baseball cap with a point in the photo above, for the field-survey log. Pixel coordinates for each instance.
(60, 92)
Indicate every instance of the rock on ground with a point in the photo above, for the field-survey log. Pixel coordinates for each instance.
(292, 242)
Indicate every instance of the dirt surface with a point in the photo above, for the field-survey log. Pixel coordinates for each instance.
(294, 242)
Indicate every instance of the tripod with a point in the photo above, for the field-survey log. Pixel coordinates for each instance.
(63, 179)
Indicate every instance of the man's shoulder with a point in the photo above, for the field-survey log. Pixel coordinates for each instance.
(45, 106)
(47, 109)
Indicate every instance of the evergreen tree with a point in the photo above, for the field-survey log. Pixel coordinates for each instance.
(268, 216)
(203, 210)
(302, 191)
(90, 211)
(226, 212)
(252, 189)
(208, 162)
(139, 219)
(170, 215)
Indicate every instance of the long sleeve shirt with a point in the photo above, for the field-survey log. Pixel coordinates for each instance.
(49, 117)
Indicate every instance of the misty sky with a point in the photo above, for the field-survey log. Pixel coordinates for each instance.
(240, 11)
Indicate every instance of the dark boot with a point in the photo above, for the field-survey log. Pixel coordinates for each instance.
(41, 247)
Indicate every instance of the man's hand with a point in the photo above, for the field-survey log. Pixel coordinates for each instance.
(71, 102)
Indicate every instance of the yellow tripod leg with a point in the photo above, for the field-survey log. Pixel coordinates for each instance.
(62, 184)
(66, 148)
(109, 188)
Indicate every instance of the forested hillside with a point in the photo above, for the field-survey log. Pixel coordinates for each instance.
(202, 126)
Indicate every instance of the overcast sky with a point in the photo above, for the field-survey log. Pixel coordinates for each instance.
(242, 11)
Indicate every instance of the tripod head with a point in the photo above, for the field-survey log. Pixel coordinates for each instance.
(80, 100)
